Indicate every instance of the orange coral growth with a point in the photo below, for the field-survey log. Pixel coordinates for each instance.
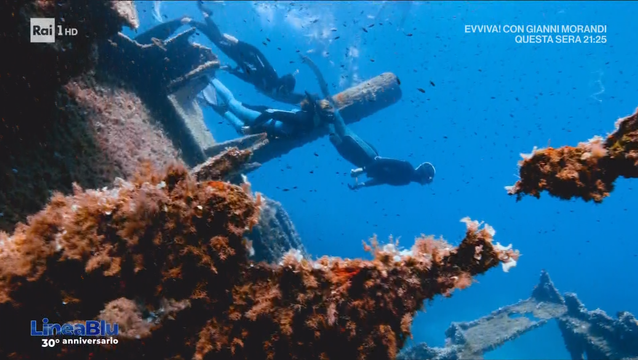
(587, 171)
(164, 256)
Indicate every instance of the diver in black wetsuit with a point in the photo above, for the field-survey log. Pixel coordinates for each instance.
(252, 66)
(379, 170)
(393, 172)
(250, 119)
(361, 153)
(162, 31)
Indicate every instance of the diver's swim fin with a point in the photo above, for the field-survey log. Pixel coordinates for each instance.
(210, 96)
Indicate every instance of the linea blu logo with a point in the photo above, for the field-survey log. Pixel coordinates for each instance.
(42, 30)
(87, 328)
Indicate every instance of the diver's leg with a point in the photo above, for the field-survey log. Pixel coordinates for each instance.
(210, 29)
(247, 115)
(369, 183)
(162, 31)
(204, 9)
(234, 121)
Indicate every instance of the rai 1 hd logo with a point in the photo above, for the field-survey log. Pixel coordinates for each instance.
(44, 30)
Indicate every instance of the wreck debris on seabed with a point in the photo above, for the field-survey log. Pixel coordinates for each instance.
(587, 334)
(587, 171)
(164, 256)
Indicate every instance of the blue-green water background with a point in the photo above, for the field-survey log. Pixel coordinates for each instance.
(492, 100)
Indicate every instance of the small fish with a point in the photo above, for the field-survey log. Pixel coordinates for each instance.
(364, 29)
(159, 43)
(337, 38)
(410, 34)
(421, 90)
(398, 81)
(432, 83)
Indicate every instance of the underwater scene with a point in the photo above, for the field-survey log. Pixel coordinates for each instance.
(414, 180)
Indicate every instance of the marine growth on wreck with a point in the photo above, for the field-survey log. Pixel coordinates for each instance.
(164, 256)
(587, 171)
(119, 204)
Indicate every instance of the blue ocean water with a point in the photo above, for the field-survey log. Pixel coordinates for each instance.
(486, 100)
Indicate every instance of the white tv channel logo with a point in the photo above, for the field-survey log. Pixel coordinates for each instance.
(42, 30)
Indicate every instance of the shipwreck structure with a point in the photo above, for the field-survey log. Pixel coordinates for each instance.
(105, 103)
(164, 256)
(171, 88)
(587, 334)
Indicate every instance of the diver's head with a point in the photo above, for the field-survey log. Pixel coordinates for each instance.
(316, 107)
(309, 103)
(425, 173)
(287, 84)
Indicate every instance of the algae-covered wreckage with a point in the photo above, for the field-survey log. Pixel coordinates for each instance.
(164, 253)
(587, 171)
(160, 247)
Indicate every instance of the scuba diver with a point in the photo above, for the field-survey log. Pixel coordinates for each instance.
(249, 119)
(362, 154)
(393, 172)
(252, 66)
(162, 31)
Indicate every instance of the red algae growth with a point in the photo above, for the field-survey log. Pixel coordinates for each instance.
(587, 171)
(164, 256)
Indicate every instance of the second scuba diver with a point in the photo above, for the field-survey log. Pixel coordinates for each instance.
(252, 65)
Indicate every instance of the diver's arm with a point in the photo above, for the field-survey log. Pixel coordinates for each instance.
(294, 118)
(161, 31)
(240, 74)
